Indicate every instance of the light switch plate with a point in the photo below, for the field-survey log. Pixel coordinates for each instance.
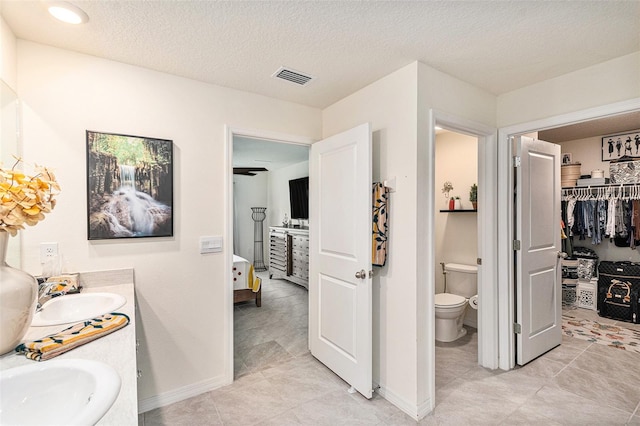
(210, 244)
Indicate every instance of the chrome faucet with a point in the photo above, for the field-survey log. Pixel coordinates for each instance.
(45, 294)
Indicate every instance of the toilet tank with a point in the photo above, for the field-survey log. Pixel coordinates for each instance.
(462, 279)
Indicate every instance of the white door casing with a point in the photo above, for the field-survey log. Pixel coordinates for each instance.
(340, 303)
(231, 133)
(505, 211)
(538, 271)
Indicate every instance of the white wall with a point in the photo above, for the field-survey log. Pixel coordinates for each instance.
(456, 236)
(588, 152)
(279, 201)
(8, 70)
(9, 120)
(182, 315)
(398, 108)
(250, 191)
(606, 83)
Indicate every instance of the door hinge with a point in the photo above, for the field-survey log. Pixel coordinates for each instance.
(516, 161)
(517, 328)
(516, 244)
(478, 261)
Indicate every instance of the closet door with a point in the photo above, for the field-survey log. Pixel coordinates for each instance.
(538, 268)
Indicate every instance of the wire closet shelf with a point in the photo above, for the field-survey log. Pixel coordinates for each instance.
(630, 191)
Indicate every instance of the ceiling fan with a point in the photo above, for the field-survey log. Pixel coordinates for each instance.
(248, 171)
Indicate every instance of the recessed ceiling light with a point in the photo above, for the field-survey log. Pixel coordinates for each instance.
(67, 12)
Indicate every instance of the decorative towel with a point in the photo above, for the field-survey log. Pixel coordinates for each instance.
(72, 337)
(379, 234)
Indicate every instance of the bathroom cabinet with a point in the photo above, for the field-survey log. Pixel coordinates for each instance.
(117, 349)
(289, 254)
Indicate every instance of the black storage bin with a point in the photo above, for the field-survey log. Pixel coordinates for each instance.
(618, 289)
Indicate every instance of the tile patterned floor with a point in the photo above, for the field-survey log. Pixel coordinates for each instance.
(279, 383)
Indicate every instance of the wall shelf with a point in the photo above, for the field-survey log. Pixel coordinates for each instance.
(459, 211)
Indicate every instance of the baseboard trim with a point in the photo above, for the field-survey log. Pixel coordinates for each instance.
(471, 323)
(424, 409)
(180, 394)
(416, 412)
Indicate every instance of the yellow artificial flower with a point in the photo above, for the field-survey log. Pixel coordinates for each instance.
(25, 199)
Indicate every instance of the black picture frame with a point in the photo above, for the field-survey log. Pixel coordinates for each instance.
(129, 186)
(621, 145)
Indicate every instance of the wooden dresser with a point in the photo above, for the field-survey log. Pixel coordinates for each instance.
(289, 254)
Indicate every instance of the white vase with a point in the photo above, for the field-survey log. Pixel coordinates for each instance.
(18, 296)
(458, 205)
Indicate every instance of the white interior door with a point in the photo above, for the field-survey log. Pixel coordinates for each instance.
(538, 270)
(340, 294)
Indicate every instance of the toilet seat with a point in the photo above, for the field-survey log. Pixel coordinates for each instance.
(448, 300)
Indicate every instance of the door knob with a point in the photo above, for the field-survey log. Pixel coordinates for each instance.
(362, 274)
(562, 255)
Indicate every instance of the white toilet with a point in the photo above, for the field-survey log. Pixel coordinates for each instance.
(461, 290)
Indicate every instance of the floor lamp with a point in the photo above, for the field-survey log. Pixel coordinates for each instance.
(258, 217)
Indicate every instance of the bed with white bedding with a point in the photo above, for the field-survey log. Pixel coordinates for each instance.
(246, 286)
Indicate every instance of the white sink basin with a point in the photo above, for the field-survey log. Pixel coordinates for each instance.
(76, 307)
(57, 392)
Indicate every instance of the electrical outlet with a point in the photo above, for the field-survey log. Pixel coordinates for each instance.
(48, 251)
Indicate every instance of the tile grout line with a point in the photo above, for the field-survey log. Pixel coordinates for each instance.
(572, 361)
(634, 413)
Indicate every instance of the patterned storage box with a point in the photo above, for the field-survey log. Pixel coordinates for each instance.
(569, 295)
(586, 269)
(587, 294)
(624, 172)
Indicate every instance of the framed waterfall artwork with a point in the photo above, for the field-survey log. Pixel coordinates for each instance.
(129, 186)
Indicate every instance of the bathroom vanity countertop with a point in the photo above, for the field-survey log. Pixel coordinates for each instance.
(117, 349)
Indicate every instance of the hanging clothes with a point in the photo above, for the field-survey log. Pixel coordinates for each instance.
(636, 220)
(571, 205)
(578, 221)
(567, 245)
(621, 226)
(600, 213)
(596, 235)
(611, 219)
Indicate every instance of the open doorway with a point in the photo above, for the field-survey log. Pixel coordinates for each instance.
(270, 311)
(456, 254)
(486, 258)
(583, 120)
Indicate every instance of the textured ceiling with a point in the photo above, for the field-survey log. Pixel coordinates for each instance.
(496, 45)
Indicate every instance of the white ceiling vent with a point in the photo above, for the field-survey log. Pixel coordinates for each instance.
(293, 76)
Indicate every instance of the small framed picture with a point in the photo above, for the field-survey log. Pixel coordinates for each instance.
(622, 145)
(566, 158)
